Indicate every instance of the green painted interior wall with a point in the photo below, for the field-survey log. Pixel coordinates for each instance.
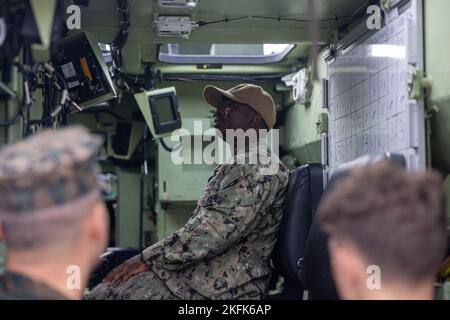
(300, 136)
(128, 215)
(437, 47)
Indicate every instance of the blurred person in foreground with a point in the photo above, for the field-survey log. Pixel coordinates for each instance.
(53, 220)
(387, 232)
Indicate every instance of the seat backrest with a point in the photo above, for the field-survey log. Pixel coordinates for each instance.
(316, 270)
(304, 191)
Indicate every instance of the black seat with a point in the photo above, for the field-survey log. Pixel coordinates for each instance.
(316, 271)
(303, 195)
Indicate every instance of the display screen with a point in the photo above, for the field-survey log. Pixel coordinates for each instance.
(164, 109)
(85, 73)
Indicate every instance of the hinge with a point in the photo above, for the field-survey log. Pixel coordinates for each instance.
(322, 123)
(324, 152)
(325, 92)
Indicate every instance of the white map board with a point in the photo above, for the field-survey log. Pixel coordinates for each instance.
(369, 106)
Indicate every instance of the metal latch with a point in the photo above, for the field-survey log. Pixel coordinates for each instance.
(417, 82)
(322, 123)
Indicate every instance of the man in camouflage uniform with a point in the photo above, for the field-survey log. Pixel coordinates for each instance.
(223, 251)
(52, 217)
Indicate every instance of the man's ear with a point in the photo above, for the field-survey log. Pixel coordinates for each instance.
(98, 225)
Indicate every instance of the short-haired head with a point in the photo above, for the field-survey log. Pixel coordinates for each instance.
(394, 218)
(49, 189)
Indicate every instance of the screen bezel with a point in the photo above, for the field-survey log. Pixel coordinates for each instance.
(167, 126)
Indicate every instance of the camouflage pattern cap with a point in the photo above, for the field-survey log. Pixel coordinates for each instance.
(48, 169)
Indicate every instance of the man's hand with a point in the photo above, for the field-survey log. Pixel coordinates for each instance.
(126, 270)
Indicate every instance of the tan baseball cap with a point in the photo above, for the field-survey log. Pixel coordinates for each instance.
(249, 94)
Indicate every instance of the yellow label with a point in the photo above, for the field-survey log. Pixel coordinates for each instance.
(85, 67)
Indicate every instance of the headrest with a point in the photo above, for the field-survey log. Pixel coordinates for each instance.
(344, 169)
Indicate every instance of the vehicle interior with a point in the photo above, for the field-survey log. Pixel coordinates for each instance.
(133, 71)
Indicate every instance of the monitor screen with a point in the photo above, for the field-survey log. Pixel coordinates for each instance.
(164, 109)
(160, 110)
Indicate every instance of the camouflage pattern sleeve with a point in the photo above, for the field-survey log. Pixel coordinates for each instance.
(231, 207)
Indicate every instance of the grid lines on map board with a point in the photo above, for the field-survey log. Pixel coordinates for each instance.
(369, 106)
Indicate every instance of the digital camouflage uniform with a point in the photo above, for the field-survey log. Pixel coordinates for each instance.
(223, 251)
(14, 286)
(44, 171)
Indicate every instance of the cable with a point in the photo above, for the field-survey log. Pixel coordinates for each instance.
(49, 100)
(122, 36)
(279, 18)
(138, 82)
(16, 117)
(19, 114)
(335, 18)
(26, 54)
(133, 78)
(204, 23)
(61, 107)
(312, 30)
(61, 78)
(165, 146)
(58, 98)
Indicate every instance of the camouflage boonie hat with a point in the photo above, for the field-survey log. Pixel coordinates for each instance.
(48, 169)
